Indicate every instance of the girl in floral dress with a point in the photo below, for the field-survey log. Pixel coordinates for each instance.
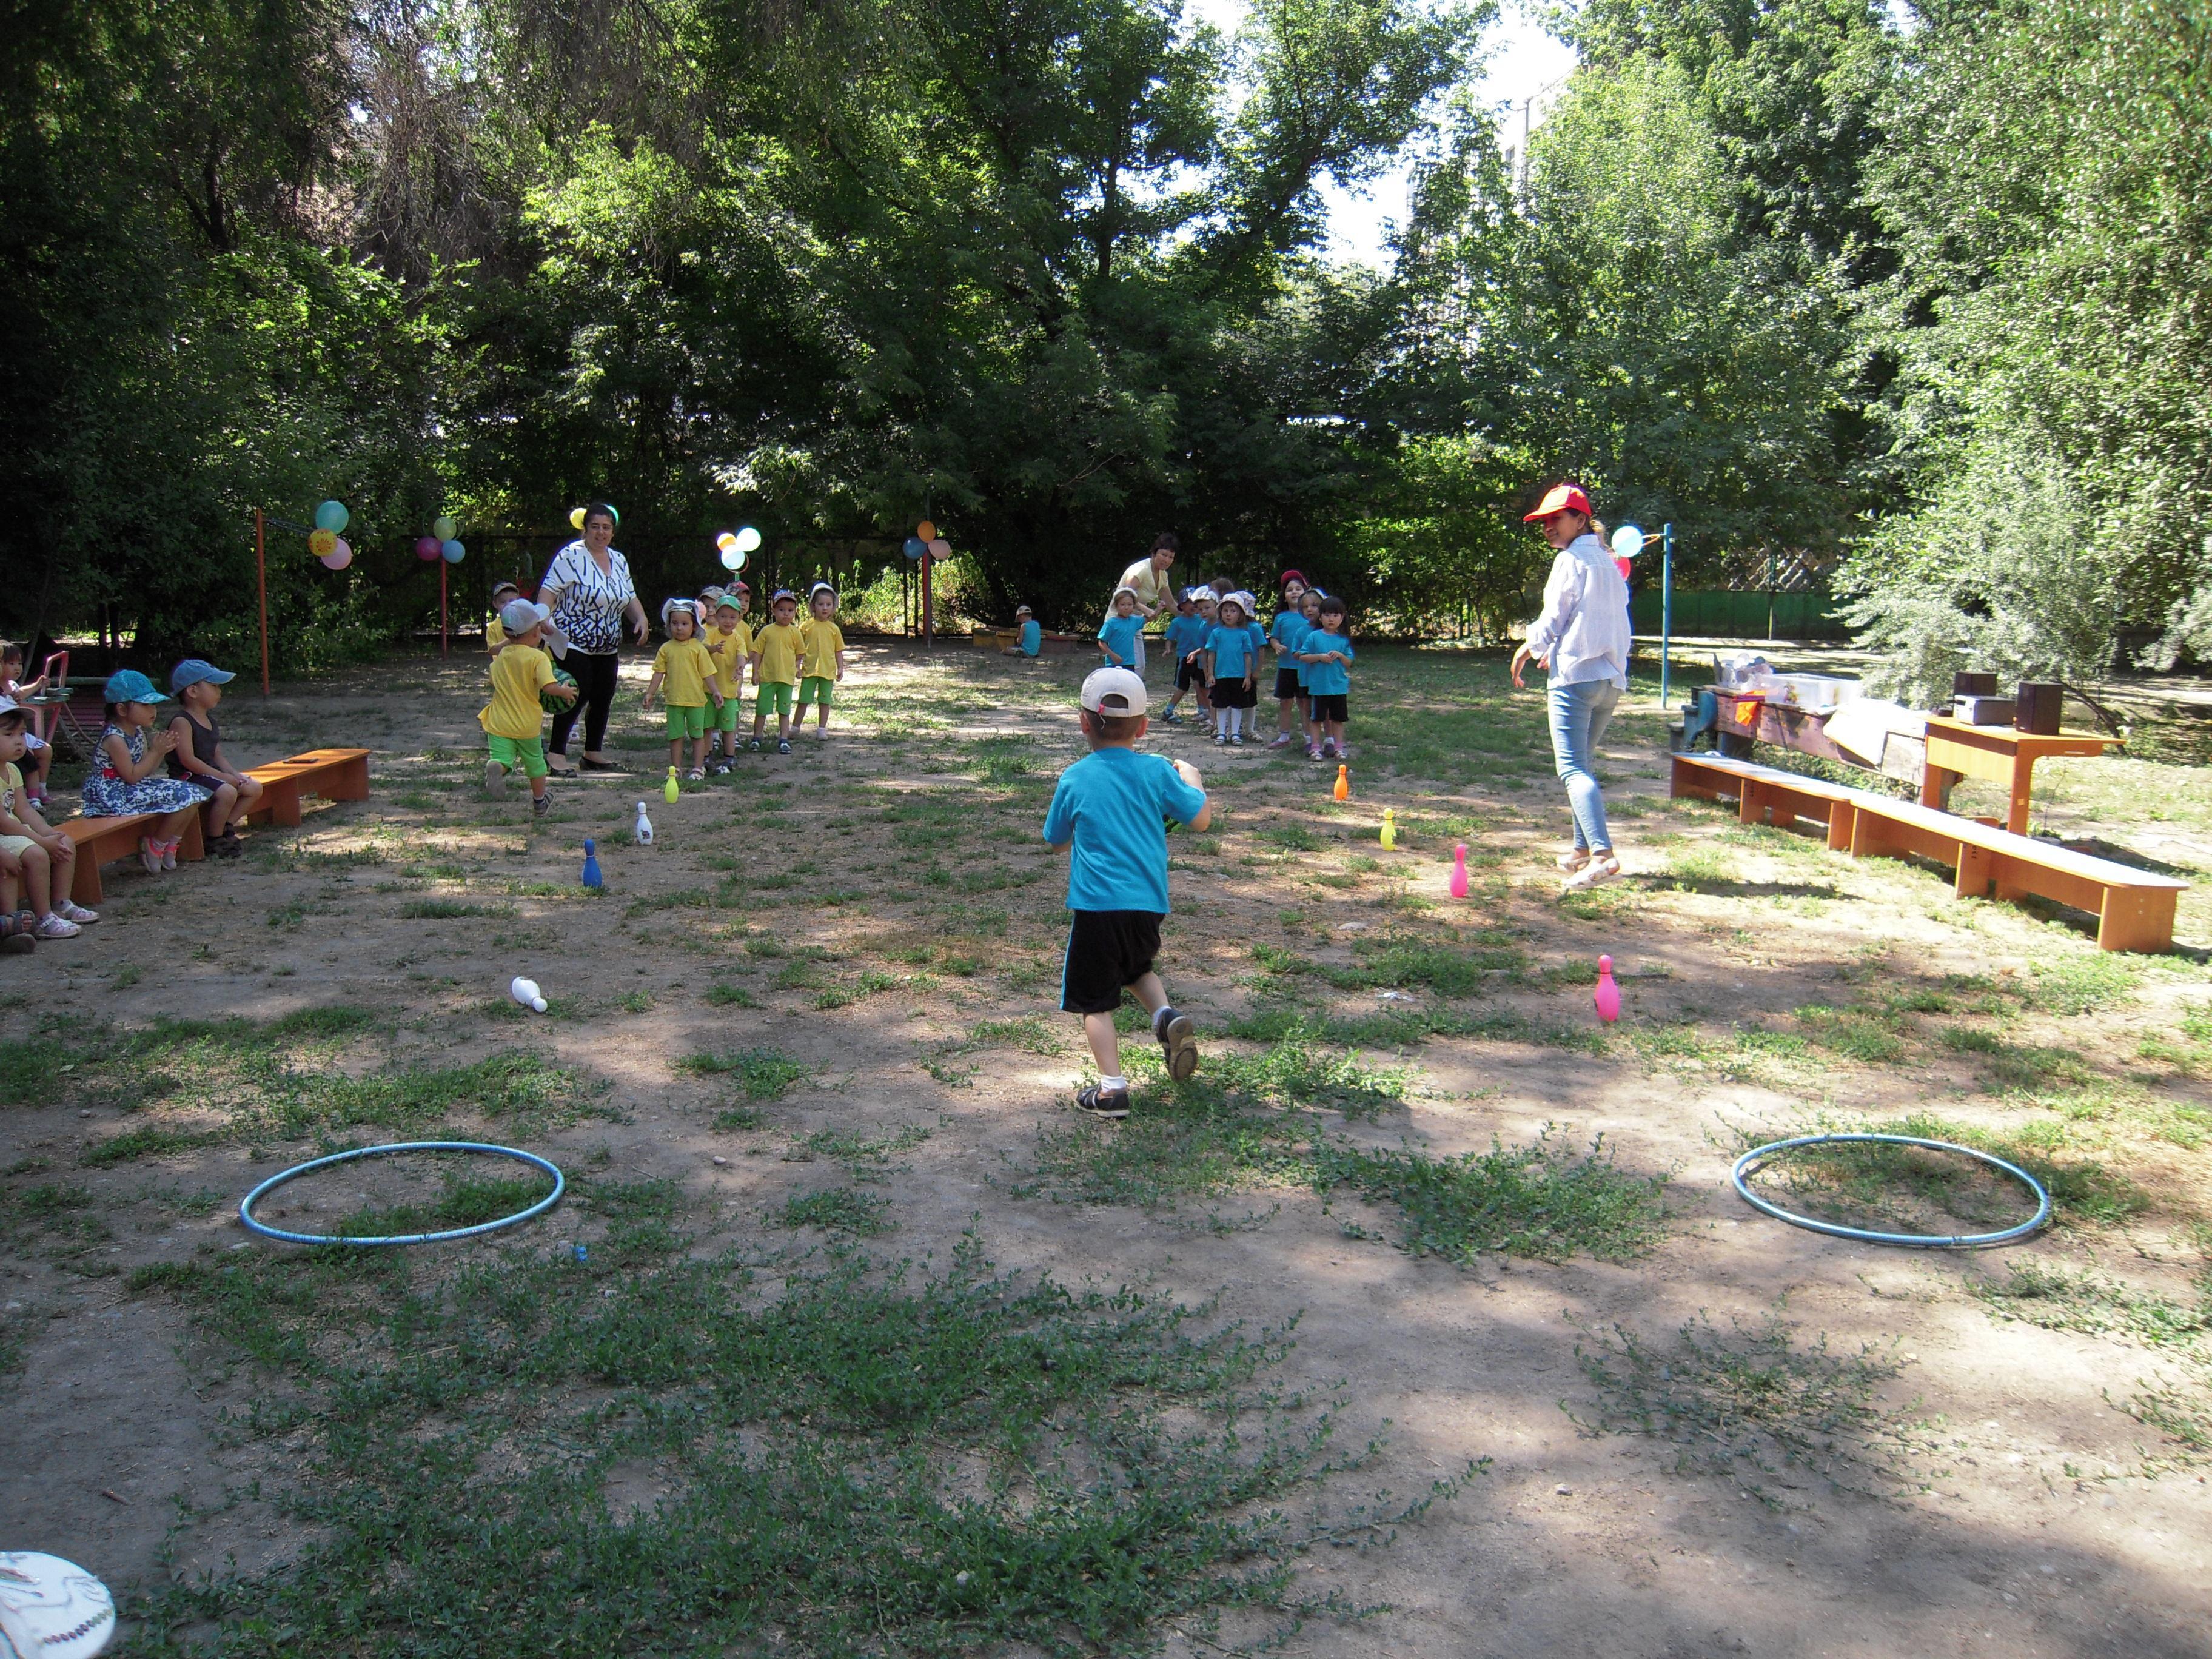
(126, 770)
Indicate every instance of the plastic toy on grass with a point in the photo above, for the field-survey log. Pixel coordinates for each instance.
(1343, 790)
(669, 791)
(591, 876)
(1459, 870)
(1389, 828)
(525, 992)
(641, 831)
(1608, 994)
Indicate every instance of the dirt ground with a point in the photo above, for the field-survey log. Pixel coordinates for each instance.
(2004, 1491)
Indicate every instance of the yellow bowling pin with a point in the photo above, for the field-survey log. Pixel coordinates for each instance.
(669, 791)
(1389, 828)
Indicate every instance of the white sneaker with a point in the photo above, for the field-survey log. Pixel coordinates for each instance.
(149, 854)
(1595, 873)
(1570, 862)
(495, 780)
(70, 910)
(168, 855)
(1221, 737)
(54, 925)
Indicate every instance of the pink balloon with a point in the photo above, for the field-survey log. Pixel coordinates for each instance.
(940, 548)
(428, 549)
(339, 556)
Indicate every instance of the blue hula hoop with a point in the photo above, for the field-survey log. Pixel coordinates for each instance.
(246, 1205)
(1749, 1165)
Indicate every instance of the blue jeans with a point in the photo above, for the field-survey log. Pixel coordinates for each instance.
(1580, 714)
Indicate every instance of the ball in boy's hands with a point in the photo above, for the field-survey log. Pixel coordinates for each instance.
(1189, 774)
(548, 702)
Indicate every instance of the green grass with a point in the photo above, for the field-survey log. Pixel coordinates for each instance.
(448, 910)
(837, 1210)
(2094, 1304)
(763, 1073)
(723, 994)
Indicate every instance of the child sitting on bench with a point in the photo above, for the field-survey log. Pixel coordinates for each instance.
(124, 777)
(195, 755)
(36, 861)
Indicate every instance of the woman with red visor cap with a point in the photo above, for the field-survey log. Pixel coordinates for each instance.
(1581, 639)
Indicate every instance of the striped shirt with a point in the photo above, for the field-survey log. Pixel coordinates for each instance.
(590, 611)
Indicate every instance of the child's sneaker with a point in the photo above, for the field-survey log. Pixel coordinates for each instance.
(17, 939)
(1313, 751)
(1221, 737)
(1595, 873)
(1097, 1102)
(1178, 1040)
(720, 769)
(697, 775)
(169, 854)
(54, 925)
(1281, 740)
(1328, 750)
(495, 779)
(72, 911)
(1169, 717)
(782, 745)
(755, 745)
(541, 805)
(149, 854)
(1235, 739)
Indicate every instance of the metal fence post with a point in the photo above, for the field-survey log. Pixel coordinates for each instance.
(1666, 604)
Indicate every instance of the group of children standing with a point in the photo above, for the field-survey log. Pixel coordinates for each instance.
(1217, 643)
(697, 675)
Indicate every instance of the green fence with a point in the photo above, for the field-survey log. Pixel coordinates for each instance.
(1729, 615)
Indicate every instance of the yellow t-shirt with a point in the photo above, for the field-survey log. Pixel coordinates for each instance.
(518, 674)
(729, 652)
(684, 668)
(12, 790)
(495, 634)
(824, 640)
(779, 647)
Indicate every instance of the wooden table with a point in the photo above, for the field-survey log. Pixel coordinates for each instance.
(1996, 754)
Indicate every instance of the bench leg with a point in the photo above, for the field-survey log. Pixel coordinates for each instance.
(352, 783)
(1688, 781)
(191, 846)
(1976, 871)
(1843, 818)
(1750, 802)
(280, 799)
(2136, 919)
(85, 887)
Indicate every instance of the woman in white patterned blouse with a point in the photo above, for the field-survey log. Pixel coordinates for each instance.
(589, 589)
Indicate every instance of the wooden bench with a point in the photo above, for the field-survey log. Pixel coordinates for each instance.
(103, 840)
(333, 774)
(2133, 908)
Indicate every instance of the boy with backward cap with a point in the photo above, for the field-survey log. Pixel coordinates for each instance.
(1111, 808)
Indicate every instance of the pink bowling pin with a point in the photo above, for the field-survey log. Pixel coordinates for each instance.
(1608, 996)
(1459, 870)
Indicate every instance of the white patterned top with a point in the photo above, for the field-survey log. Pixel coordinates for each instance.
(589, 609)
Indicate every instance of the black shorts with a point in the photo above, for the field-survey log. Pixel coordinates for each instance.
(1239, 693)
(1331, 709)
(1107, 950)
(1188, 676)
(1286, 684)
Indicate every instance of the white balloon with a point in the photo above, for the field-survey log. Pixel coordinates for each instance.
(733, 560)
(748, 538)
(1627, 542)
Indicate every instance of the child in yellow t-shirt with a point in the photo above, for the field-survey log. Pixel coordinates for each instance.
(776, 651)
(685, 667)
(495, 631)
(824, 658)
(513, 720)
(729, 643)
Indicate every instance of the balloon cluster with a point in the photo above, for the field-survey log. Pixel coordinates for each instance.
(323, 541)
(926, 542)
(440, 542)
(735, 544)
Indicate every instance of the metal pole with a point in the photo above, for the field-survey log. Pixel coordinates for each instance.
(442, 568)
(928, 606)
(261, 573)
(1666, 604)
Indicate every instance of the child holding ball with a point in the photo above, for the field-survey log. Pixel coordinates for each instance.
(513, 720)
(687, 673)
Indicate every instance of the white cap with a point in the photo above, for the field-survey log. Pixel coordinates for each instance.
(9, 705)
(1114, 691)
(520, 616)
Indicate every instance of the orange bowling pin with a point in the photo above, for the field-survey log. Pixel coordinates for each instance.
(1343, 790)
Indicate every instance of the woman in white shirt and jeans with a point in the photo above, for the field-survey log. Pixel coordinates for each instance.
(1582, 639)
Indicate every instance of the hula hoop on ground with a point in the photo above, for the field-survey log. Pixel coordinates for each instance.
(246, 1205)
(1750, 1162)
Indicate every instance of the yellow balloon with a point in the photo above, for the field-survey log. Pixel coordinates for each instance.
(927, 530)
(323, 543)
(726, 541)
(577, 518)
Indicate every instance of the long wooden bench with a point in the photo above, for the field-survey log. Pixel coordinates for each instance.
(103, 840)
(2133, 908)
(333, 774)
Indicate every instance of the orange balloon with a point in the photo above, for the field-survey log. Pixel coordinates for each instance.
(927, 530)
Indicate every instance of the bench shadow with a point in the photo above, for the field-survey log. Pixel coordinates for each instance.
(2096, 846)
(1718, 888)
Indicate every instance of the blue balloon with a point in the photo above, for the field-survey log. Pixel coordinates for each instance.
(915, 547)
(454, 552)
(331, 516)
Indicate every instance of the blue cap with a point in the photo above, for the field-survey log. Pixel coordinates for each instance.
(128, 685)
(194, 669)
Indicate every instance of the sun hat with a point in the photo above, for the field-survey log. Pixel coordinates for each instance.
(1114, 691)
(1559, 498)
(1290, 576)
(128, 685)
(669, 607)
(192, 671)
(498, 588)
(1022, 611)
(9, 706)
(781, 595)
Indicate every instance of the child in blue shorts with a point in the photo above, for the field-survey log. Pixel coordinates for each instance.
(1328, 652)
(1112, 808)
(1186, 640)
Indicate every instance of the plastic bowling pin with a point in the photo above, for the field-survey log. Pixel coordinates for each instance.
(525, 992)
(1459, 870)
(1389, 828)
(591, 876)
(669, 791)
(1343, 790)
(1608, 996)
(643, 829)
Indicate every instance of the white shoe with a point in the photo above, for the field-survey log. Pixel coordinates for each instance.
(495, 779)
(54, 925)
(1595, 873)
(149, 854)
(168, 855)
(68, 910)
(1570, 862)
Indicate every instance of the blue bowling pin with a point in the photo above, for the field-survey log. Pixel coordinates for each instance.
(592, 877)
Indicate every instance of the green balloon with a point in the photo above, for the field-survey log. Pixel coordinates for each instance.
(331, 516)
(444, 528)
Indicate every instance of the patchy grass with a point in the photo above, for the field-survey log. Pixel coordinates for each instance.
(837, 1210)
(763, 1073)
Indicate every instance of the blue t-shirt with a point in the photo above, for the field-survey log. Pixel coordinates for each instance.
(1119, 634)
(1032, 638)
(1233, 649)
(1186, 634)
(1286, 630)
(1328, 679)
(1113, 803)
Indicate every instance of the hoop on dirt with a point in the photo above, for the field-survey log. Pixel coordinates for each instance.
(1750, 1162)
(246, 1205)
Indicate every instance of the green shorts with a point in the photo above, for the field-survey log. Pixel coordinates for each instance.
(772, 694)
(814, 688)
(522, 755)
(686, 720)
(725, 718)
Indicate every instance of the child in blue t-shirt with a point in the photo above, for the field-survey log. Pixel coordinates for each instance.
(1186, 638)
(1327, 653)
(1232, 667)
(1283, 633)
(1029, 639)
(1112, 808)
(1117, 635)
